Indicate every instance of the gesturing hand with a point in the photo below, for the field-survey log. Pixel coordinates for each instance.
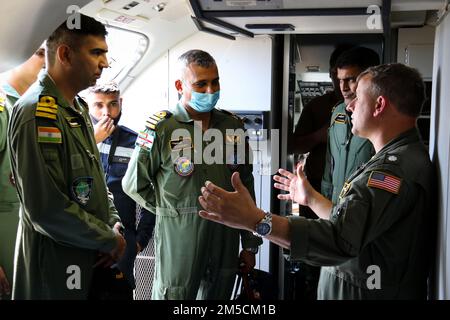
(299, 188)
(234, 209)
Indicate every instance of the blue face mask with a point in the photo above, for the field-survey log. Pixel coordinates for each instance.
(204, 102)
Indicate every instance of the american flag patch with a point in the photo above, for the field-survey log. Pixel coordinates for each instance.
(384, 181)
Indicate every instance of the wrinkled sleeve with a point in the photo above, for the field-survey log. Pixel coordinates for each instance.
(43, 190)
(113, 213)
(327, 178)
(138, 180)
(363, 215)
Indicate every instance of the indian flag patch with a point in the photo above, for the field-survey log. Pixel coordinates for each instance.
(49, 135)
(145, 140)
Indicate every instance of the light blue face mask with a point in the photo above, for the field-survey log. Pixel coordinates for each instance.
(204, 102)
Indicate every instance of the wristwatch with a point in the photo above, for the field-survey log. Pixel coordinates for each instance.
(264, 226)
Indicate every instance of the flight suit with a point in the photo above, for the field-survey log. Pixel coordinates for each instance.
(66, 214)
(9, 202)
(195, 258)
(115, 153)
(345, 153)
(376, 244)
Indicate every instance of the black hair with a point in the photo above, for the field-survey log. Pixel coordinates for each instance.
(360, 57)
(73, 36)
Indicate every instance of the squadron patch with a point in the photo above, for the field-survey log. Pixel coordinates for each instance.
(49, 135)
(47, 107)
(82, 189)
(384, 181)
(340, 118)
(183, 166)
(156, 118)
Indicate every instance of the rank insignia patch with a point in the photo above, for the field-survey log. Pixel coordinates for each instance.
(2, 103)
(340, 118)
(384, 181)
(153, 120)
(47, 107)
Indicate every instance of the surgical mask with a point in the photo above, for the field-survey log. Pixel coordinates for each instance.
(204, 102)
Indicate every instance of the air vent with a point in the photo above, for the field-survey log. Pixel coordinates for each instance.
(131, 5)
(272, 26)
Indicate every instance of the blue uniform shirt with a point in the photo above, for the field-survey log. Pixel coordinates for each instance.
(115, 166)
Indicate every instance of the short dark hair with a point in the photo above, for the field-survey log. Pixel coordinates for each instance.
(360, 57)
(73, 36)
(197, 57)
(402, 85)
(337, 52)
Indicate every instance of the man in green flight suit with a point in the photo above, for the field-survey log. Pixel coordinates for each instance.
(346, 152)
(175, 155)
(17, 82)
(67, 219)
(375, 242)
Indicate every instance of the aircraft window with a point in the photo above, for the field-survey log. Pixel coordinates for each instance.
(126, 49)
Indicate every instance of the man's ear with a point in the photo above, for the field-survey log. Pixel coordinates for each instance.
(179, 86)
(64, 55)
(380, 106)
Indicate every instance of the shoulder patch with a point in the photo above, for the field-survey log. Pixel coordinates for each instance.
(340, 118)
(156, 118)
(49, 135)
(391, 158)
(47, 107)
(384, 181)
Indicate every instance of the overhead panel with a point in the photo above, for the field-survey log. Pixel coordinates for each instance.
(289, 16)
(314, 16)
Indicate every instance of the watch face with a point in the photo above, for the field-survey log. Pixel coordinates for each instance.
(263, 228)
